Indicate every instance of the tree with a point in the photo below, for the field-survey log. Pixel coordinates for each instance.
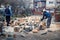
(1, 1)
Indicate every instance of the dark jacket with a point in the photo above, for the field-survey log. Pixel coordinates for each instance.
(46, 15)
(7, 12)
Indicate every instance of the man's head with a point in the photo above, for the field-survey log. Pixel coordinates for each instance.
(44, 10)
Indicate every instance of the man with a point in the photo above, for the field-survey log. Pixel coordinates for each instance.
(7, 14)
(48, 16)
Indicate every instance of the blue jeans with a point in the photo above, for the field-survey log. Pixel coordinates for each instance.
(48, 22)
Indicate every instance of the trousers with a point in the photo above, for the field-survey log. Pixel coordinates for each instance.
(8, 20)
(48, 22)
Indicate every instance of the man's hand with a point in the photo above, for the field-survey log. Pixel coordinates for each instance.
(41, 20)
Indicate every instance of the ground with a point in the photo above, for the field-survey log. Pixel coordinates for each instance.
(37, 36)
(55, 35)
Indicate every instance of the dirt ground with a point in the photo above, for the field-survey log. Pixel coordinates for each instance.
(37, 36)
(55, 35)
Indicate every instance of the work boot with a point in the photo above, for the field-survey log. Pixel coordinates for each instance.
(49, 30)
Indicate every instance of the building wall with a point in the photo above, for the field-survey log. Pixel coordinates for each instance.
(50, 3)
(39, 3)
(57, 3)
(28, 3)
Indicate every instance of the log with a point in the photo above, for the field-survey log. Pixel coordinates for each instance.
(35, 31)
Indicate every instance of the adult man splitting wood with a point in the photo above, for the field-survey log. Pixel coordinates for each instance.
(48, 16)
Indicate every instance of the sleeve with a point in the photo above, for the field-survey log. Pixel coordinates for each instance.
(10, 12)
(43, 17)
(5, 12)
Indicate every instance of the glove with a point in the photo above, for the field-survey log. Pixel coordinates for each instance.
(41, 20)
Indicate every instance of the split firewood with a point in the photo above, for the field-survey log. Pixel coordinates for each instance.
(42, 25)
(35, 31)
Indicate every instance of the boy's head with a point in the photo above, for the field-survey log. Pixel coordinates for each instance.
(7, 6)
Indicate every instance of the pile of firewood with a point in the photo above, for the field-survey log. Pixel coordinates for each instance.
(29, 23)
